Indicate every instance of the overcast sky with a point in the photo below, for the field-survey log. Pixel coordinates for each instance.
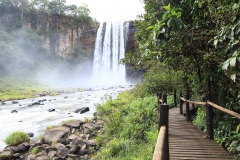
(112, 10)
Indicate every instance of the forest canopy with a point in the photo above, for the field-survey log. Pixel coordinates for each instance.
(200, 40)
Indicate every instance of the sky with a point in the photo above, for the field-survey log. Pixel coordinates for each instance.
(112, 10)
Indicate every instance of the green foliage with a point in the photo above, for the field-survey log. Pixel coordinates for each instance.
(228, 138)
(35, 150)
(200, 119)
(160, 78)
(16, 138)
(130, 128)
(201, 40)
(77, 54)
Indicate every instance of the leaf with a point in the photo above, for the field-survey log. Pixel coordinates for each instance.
(215, 42)
(150, 27)
(238, 148)
(233, 77)
(233, 61)
(165, 16)
(168, 7)
(177, 25)
(169, 22)
(225, 65)
(238, 128)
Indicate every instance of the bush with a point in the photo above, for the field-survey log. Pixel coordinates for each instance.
(35, 150)
(130, 128)
(16, 138)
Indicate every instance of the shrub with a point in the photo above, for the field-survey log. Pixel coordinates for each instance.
(16, 138)
(130, 128)
(35, 150)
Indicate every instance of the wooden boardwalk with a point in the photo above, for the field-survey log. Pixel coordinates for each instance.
(186, 141)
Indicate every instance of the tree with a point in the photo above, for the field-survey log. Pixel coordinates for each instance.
(22, 4)
(83, 14)
(39, 5)
(200, 38)
(57, 6)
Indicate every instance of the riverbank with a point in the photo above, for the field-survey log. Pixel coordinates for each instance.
(73, 139)
(35, 118)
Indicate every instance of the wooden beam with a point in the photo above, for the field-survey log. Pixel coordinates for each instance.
(235, 114)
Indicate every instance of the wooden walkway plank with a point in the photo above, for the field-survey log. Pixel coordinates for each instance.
(187, 142)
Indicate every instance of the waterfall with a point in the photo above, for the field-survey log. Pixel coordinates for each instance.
(109, 49)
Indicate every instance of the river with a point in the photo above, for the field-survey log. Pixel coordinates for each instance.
(35, 118)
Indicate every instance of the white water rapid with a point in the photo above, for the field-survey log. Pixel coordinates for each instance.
(109, 50)
(35, 118)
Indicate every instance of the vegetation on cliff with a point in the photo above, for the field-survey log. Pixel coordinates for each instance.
(200, 39)
(24, 27)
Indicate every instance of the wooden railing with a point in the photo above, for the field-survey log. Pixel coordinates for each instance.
(209, 111)
(161, 151)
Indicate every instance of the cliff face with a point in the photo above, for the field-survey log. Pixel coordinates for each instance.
(63, 35)
(131, 44)
(60, 33)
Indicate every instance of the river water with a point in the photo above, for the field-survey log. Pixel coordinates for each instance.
(35, 118)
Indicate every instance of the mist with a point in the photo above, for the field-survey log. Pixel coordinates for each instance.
(24, 60)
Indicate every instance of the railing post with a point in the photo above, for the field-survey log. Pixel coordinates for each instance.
(209, 114)
(163, 112)
(181, 103)
(164, 99)
(159, 95)
(175, 98)
(187, 105)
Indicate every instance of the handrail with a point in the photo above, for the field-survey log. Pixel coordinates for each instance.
(159, 153)
(193, 102)
(232, 113)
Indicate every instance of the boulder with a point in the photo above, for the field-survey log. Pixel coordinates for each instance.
(62, 153)
(55, 134)
(73, 124)
(30, 134)
(63, 141)
(91, 126)
(16, 155)
(51, 154)
(30, 157)
(74, 149)
(73, 136)
(14, 111)
(60, 146)
(82, 110)
(14, 102)
(51, 110)
(2, 102)
(21, 148)
(6, 155)
(42, 94)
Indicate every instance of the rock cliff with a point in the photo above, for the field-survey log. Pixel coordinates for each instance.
(131, 41)
(60, 33)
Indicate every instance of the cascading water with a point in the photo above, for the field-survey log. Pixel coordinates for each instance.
(109, 49)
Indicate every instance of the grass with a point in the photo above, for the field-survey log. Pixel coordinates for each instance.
(16, 138)
(130, 128)
(35, 150)
(51, 127)
(15, 89)
(67, 121)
